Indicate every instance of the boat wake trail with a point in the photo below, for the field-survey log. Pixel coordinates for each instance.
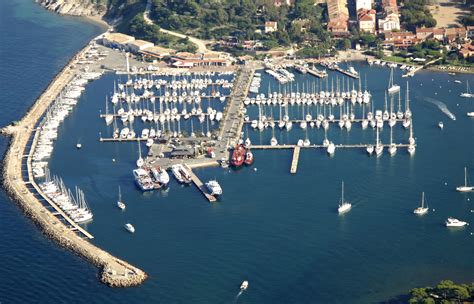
(237, 296)
(442, 106)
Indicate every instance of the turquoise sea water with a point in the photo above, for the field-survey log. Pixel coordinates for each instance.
(279, 231)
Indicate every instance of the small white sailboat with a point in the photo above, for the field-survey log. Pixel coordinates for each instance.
(465, 188)
(441, 125)
(120, 203)
(378, 145)
(343, 205)
(129, 228)
(140, 160)
(392, 149)
(392, 88)
(422, 209)
(468, 93)
(78, 146)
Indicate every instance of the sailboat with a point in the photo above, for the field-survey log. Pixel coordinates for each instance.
(120, 203)
(378, 145)
(422, 209)
(392, 149)
(343, 205)
(140, 160)
(411, 142)
(392, 88)
(109, 118)
(465, 188)
(468, 93)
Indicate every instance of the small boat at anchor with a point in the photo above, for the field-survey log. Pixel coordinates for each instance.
(130, 228)
(453, 222)
(120, 203)
(244, 286)
(343, 205)
(465, 188)
(422, 209)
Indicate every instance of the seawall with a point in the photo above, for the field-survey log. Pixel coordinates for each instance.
(114, 271)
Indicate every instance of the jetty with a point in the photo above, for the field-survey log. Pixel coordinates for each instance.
(200, 185)
(294, 162)
(316, 73)
(23, 189)
(347, 73)
(288, 147)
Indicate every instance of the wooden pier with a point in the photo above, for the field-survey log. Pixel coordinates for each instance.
(200, 185)
(294, 162)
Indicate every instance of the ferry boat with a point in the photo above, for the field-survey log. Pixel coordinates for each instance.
(120, 203)
(422, 209)
(248, 158)
(214, 187)
(181, 174)
(143, 179)
(161, 176)
(130, 228)
(465, 188)
(452, 222)
(244, 286)
(343, 205)
(238, 156)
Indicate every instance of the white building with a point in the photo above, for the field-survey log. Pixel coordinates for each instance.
(389, 23)
(138, 45)
(117, 40)
(365, 4)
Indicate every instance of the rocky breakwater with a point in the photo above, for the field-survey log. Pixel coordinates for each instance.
(115, 272)
(75, 7)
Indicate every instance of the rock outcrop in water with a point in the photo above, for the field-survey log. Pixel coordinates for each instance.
(76, 7)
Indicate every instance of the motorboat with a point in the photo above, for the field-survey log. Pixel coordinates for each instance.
(130, 228)
(120, 203)
(441, 125)
(244, 286)
(452, 222)
(214, 187)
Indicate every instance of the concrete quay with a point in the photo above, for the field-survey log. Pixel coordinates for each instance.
(115, 272)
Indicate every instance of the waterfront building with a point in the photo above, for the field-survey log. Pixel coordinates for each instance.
(117, 40)
(187, 60)
(156, 52)
(390, 17)
(467, 50)
(338, 17)
(138, 45)
(400, 39)
(366, 19)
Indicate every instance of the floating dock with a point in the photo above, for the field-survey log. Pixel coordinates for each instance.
(200, 185)
(287, 147)
(294, 162)
(316, 73)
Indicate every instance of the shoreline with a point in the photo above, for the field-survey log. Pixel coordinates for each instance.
(114, 271)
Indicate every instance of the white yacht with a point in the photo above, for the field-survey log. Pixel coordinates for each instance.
(392, 149)
(470, 114)
(244, 286)
(120, 203)
(452, 222)
(130, 228)
(370, 149)
(273, 141)
(331, 148)
(441, 125)
(161, 176)
(214, 187)
(465, 188)
(343, 205)
(422, 209)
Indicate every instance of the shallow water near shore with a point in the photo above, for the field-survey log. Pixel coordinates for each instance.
(280, 232)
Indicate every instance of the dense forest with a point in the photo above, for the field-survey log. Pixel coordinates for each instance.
(445, 292)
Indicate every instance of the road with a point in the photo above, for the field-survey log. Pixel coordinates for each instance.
(200, 44)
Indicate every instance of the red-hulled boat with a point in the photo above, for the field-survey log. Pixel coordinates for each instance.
(248, 158)
(238, 156)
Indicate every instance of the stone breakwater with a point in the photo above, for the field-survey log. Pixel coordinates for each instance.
(75, 7)
(115, 272)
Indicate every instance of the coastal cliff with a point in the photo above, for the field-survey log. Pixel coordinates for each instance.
(76, 7)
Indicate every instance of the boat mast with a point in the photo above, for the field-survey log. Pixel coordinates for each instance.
(342, 192)
(465, 176)
(422, 199)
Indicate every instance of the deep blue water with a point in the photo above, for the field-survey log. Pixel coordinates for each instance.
(280, 232)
